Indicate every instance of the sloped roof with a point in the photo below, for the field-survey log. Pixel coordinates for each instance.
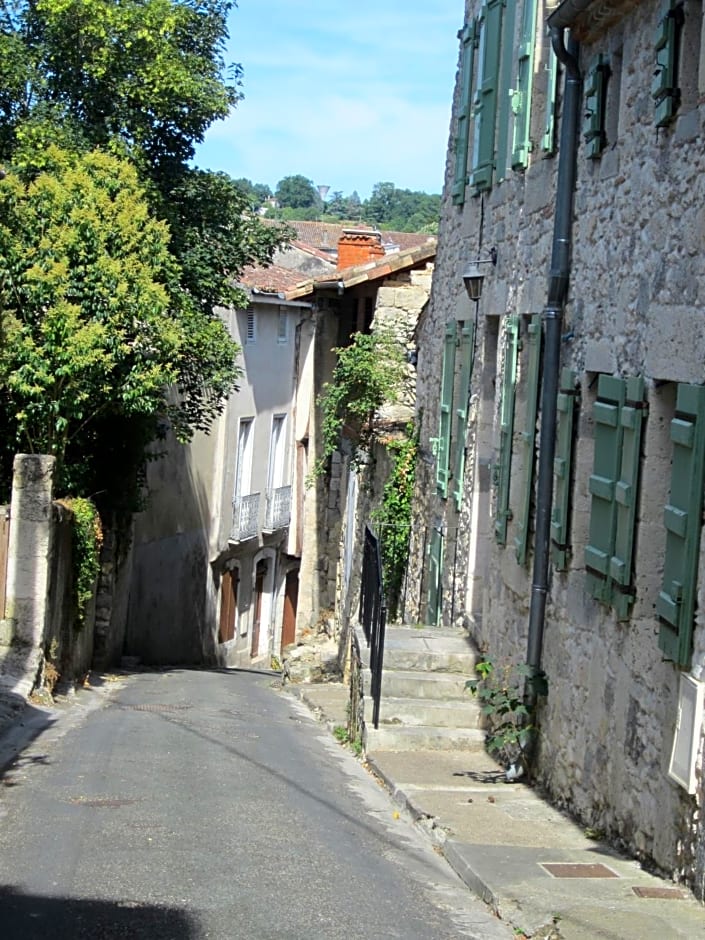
(322, 235)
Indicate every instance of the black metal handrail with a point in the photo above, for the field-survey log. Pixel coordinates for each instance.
(373, 614)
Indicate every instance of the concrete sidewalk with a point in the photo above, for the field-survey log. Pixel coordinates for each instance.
(530, 863)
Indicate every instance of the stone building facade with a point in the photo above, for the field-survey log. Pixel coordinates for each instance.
(561, 475)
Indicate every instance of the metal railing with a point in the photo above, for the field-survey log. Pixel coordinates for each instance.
(245, 517)
(373, 615)
(278, 508)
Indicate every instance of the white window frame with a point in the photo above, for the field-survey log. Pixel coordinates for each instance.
(276, 472)
(243, 464)
(283, 327)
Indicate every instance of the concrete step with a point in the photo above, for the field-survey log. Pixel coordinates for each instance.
(426, 660)
(398, 683)
(450, 713)
(422, 737)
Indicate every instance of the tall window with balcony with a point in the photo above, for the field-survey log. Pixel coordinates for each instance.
(278, 492)
(245, 502)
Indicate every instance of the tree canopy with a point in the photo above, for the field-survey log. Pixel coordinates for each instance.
(114, 249)
(297, 192)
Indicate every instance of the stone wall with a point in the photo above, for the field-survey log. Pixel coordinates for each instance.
(635, 308)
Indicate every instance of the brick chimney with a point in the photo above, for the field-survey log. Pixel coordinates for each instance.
(358, 245)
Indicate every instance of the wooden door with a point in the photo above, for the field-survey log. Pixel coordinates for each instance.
(260, 575)
(291, 597)
(228, 605)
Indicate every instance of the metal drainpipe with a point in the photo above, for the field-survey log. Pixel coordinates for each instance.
(553, 321)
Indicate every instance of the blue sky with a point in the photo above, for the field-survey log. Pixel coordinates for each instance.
(346, 93)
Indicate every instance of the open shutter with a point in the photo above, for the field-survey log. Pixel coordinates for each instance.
(467, 354)
(548, 141)
(626, 495)
(503, 469)
(447, 376)
(485, 103)
(675, 604)
(562, 469)
(664, 85)
(468, 37)
(521, 99)
(602, 483)
(505, 78)
(534, 339)
(435, 567)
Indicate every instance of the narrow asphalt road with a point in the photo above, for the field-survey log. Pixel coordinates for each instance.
(191, 804)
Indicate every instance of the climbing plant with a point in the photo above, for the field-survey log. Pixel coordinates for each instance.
(87, 539)
(368, 374)
(393, 517)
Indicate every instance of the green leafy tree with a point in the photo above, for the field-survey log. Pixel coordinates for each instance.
(96, 327)
(297, 192)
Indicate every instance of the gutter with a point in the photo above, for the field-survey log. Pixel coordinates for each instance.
(566, 14)
(558, 279)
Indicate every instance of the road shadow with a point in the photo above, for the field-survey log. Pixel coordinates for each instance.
(33, 917)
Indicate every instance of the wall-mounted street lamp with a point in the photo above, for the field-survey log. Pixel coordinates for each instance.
(473, 275)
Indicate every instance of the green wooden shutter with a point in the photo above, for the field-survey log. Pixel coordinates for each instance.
(626, 495)
(447, 377)
(595, 103)
(435, 568)
(467, 355)
(675, 604)
(504, 91)
(534, 339)
(602, 483)
(468, 37)
(664, 85)
(562, 469)
(521, 99)
(485, 103)
(503, 469)
(548, 141)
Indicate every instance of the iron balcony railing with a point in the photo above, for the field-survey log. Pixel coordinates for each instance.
(278, 508)
(245, 517)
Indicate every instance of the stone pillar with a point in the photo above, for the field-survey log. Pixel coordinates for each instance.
(28, 567)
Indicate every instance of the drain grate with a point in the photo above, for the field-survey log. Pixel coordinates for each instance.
(101, 802)
(578, 870)
(157, 708)
(664, 894)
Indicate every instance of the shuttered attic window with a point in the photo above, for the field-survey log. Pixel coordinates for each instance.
(595, 106)
(251, 335)
(664, 87)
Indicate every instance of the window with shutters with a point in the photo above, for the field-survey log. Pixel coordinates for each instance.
(446, 410)
(675, 604)
(618, 414)
(468, 39)
(665, 89)
(521, 95)
(548, 140)
(504, 89)
(251, 328)
(502, 470)
(595, 106)
(532, 353)
(467, 355)
(485, 99)
(568, 395)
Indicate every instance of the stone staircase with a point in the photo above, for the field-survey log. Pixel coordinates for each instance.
(424, 704)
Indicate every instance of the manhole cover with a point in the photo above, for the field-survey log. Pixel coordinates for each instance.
(665, 894)
(109, 802)
(578, 870)
(157, 708)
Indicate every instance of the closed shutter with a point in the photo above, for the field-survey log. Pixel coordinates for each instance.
(467, 356)
(533, 357)
(675, 604)
(521, 99)
(602, 483)
(548, 141)
(485, 102)
(626, 495)
(619, 415)
(562, 469)
(503, 468)
(447, 377)
(504, 91)
(468, 37)
(595, 97)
